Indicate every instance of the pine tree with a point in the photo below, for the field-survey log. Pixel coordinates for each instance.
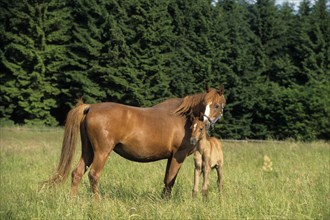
(78, 78)
(193, 50)
(150, 45)
(273, 31)
(235, 63)
(283, 69)
(30, 59)
(107, 43)
(315, 64)
(318, 63)
(120, 79)
(273, 60)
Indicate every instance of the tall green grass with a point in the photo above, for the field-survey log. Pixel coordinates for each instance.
(294, 186)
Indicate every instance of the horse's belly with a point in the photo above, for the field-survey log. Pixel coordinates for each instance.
(142, 153)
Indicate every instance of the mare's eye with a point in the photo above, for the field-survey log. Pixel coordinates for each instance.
(201, 129)
(216, 106)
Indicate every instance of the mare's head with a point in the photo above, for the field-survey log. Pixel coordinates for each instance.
(214, 102)
(198, 130)
(211, 104)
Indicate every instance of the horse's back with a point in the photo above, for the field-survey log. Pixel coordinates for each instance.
(107, 115)
(119, 118)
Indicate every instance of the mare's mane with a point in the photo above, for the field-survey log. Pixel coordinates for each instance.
(189, 103)
(193, 103)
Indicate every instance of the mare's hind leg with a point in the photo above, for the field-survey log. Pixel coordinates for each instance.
(84, 162)
(95, 172)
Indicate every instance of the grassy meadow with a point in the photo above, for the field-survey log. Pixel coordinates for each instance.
(271, 180)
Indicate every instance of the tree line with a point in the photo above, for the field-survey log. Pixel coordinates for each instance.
(274, 60)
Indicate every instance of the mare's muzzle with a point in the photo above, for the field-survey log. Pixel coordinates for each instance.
(211, 123)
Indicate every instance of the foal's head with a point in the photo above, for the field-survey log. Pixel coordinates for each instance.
(198, 130)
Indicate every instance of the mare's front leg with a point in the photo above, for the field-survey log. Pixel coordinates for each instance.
(173, 166)
(197, 172)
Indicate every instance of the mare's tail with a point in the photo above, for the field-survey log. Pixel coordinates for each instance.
(72, 126)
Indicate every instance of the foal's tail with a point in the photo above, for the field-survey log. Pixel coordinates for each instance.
(72, 125)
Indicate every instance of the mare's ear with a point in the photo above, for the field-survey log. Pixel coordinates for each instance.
(221, 91)
(207, 89)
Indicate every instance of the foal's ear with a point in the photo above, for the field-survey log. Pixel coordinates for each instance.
(221, 91)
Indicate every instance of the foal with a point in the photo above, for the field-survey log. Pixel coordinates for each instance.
(208, 155)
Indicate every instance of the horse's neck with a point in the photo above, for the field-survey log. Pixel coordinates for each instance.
(192, 105)
(197, 109)
(205, 136)
(169, 105)
(203, 143)
(199, 105)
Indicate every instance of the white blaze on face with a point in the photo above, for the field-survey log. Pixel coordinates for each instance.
(207, 111)
(195, 126)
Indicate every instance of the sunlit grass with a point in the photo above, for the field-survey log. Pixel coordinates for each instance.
(287, 180)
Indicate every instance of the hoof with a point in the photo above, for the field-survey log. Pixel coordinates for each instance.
(205, 193)
(96, 197)
(166, 194)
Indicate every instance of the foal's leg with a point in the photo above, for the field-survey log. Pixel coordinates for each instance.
(197, 172)
(206, 172)
(219, 172)
(84, 162)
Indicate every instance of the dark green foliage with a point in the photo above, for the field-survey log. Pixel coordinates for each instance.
(192, 61)
(151, 36)
(235, 62)
(273, 59)
(30, 49)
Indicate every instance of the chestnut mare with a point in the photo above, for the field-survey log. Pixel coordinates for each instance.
(137, 134)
